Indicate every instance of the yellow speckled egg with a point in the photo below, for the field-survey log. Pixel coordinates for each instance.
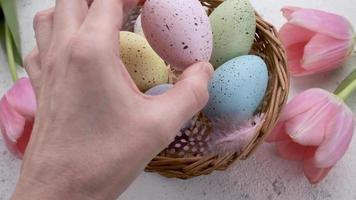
(146, 68)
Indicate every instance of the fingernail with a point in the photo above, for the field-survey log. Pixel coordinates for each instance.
(208, 68)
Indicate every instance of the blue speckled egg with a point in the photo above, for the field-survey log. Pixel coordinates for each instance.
(159, 89)
(237, 89)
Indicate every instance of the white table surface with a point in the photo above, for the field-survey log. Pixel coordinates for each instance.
(264, 176)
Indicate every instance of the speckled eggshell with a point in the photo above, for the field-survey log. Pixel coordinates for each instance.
(138, 27)
(159, 89)
(179, 31)
(237, 89)
(234, 26)
(146, 68)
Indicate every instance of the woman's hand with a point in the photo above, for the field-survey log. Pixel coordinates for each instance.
(94, 130)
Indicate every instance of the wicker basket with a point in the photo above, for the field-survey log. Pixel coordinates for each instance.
(182, 164)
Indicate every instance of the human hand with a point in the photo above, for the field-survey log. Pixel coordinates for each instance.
(94, 130)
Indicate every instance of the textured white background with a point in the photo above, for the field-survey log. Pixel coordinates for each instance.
(264, 176)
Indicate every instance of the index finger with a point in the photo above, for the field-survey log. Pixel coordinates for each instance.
(68, 17)
(106, 16)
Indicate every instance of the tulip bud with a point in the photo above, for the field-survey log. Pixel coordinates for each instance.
(316, 41)
(17, 111)
(315, 127)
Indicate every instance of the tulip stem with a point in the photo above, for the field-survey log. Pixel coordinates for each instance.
(345, 93)
(10, 53)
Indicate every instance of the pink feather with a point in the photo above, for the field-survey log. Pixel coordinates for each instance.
(231, 137)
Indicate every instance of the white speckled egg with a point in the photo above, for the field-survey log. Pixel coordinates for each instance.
(237, 89)
(138, 27)
(179, 31)
(234, 26)
(146, 68)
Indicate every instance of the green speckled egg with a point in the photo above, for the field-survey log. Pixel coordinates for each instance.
(146, 68)
(234, 27)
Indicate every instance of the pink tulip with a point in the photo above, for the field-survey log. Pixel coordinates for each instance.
(17, 111)
(316, 127)
(315, 41)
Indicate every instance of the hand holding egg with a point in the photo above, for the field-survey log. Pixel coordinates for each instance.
(180, 32)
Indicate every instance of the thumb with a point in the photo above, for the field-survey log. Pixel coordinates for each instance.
(190, 94)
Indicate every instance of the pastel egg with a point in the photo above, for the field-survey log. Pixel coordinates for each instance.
(146, 68)
(179, 31)
(234, 26)
(159, 89)
(237, 89)
(138, 27)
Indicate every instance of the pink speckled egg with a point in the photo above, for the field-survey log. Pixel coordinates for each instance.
(179, 31)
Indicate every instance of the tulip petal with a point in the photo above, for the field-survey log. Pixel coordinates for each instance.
(295, 52)
(295, 69)
(295, 39)
(25, 138)
(21, 97)
(303, 102)
(295, 55)
(277, 134)
(324, 53)
(291, 35)
(12, 123)
(12, 146)
(288, 11)
(313, 173)
(309, 128)
(321, 22)
(337, 140)
(290, 150)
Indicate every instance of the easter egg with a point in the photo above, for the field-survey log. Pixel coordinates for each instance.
(138, 27)
(159, 89)
(237, 89)
(234, 26)
(179, 31)
(146, 68)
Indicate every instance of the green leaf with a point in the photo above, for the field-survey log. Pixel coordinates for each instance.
(17, 52)
(10, 53)
(2, 28)
(10, 15)
(345, 83)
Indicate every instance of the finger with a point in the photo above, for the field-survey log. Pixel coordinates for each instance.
(43, 25)
(89, 2)
(190, 94)
(129, 4)
(68, 17)
(32, 66)
(141, 2)
(106, 16)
